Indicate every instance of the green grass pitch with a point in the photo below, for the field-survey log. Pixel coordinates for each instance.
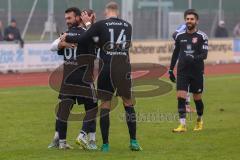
(27, 127)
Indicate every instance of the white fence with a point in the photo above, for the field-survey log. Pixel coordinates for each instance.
(33, 57)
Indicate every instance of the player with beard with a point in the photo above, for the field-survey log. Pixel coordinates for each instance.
(191, 49)
(74, 76)
(182, 28)
(113, 36)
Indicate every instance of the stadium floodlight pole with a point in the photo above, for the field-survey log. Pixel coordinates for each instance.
(29, 18)
(50, 17)
(127, 11)
(90, 4)
(50, 25)
(159, 20)
(220, 10)
(189, 4)
(9, 11)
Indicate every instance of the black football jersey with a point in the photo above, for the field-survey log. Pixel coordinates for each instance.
(194, 45)
(73, 72)
(113, 37)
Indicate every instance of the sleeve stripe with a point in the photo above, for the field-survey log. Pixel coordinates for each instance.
(205, 47)
(179, 34)
(205, 37)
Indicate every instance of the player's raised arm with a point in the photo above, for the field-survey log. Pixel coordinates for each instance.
(58, 45)
(54, 45)
(89, 35)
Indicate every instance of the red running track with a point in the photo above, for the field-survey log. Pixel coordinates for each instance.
(41, 79)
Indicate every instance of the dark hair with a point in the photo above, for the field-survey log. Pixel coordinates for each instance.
(74, 10)
(191, 11)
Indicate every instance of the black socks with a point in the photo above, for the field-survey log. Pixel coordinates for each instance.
(104, 124)
(131, 121)
(182, 107)
(199, 107)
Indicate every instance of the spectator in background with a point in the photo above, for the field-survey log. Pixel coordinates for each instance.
(236, 31)
(1, 30)
(221, 31)
(12, 33)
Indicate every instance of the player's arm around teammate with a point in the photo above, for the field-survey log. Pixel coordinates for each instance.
(108, 33)
(71, 54)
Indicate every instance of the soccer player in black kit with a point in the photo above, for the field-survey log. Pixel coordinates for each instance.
(191, 49)
(113, 36)
(74, 76)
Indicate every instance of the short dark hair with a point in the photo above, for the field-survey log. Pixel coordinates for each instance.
(112, 6)
(191, 11)
(74, 10)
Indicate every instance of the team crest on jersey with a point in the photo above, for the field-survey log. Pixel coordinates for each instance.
(194, 40)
